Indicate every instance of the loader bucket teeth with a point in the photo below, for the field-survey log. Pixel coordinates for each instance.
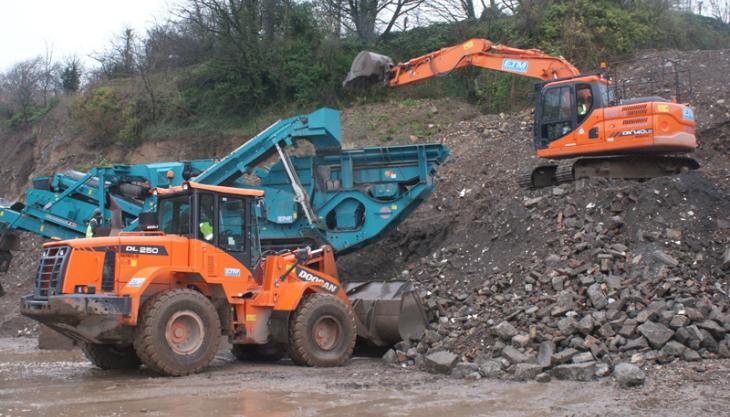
(368, 68)
(387, 312)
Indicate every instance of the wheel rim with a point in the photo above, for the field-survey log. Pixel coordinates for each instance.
(326, 332)
(184, 332)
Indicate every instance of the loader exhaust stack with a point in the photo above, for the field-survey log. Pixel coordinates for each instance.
(368, 69)
(388, 311)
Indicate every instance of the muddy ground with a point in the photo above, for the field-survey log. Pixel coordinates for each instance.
(63, 383)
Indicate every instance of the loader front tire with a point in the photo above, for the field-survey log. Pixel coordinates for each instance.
(269, 352)
(322, 332)
(111, 356)
(178, 332)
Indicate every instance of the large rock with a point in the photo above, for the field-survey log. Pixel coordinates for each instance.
(638, 343)
(490, 368)
(513, 355)
(656, 334)
(628, 375)
(545, 353)
(678, 321)
(585, 325)
(575, 372)
(567, 326)
(712, 326)
(563, 356)
(504, 331)
(441, 362)
(673, 349)
(464, 370)
(598, 299)
(526, 371)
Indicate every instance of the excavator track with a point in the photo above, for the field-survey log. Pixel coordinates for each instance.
(634, 167)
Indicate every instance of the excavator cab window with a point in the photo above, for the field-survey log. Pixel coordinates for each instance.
(557, 113)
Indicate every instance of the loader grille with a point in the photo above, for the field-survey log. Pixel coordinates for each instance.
(51, 269)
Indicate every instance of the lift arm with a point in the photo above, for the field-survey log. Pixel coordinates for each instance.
(480, 53)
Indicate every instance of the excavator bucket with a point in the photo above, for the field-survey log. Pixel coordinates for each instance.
(367, 69)
(387, 312)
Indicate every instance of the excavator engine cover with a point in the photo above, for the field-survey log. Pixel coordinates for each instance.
(367, 69)
(390, 311)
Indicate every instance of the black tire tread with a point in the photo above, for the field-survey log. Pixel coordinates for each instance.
(144, 339)
(298, 331)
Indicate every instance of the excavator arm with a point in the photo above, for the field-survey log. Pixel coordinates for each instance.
(482, 53)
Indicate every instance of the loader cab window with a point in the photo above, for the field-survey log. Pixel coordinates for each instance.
(206, 222)
(174, 215)
(557, 113)
(231, 221)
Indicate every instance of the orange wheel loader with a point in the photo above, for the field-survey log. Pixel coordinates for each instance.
(164, 296)
(576, 115)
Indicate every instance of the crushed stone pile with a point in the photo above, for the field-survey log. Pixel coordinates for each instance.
(571, 281)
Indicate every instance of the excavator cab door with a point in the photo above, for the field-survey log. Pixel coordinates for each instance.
(556, 114)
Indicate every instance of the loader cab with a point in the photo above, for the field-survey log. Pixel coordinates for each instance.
(563, 105)
(221, 216)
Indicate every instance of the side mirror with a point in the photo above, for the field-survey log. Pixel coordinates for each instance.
(148, 221)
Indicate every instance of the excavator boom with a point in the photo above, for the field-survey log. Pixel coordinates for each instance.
(369, 67)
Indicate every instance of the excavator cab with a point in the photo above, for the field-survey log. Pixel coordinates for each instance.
(563, 107)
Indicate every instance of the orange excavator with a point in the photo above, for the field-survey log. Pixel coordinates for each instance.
(576, 115)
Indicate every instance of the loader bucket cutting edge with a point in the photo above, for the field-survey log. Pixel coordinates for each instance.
(368, 69)
(388, 311)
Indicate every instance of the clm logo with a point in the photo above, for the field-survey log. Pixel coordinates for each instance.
(514, 65)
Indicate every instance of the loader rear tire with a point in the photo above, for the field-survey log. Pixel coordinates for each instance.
(270, 352)
(178, 332)
(322, 332)
(111, 356)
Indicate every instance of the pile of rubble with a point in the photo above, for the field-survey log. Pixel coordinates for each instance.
(615, 273)
(590, 279)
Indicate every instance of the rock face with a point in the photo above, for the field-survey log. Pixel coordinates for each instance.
(628, 375)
